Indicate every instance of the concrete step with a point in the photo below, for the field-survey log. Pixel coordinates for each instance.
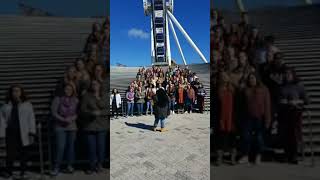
(63, 64)
(38, 60)
(35, 74)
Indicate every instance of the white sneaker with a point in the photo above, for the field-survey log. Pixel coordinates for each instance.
(258, 160)
(243, 160)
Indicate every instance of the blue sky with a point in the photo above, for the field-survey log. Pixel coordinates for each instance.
(66, 8)
(135, 51)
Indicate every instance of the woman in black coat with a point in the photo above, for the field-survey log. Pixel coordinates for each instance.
(161, 109)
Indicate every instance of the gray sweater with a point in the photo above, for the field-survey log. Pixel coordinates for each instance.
(93, 113)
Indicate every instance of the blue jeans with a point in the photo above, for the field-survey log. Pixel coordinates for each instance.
(64, 145)
(149, 106)
(172, 104)
(140, 108)
(162, 122)
(96, 142)
(130, 108)
(252, 135)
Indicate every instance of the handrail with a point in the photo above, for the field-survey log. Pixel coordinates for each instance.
(39, 128)
(311, 138)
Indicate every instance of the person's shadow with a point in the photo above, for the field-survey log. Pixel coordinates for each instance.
(140, 126)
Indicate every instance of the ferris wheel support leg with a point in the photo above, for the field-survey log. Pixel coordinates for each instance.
(177, 41)
(168, 51)
(175, 21)
(152, 44)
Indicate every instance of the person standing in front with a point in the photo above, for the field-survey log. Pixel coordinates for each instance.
(130, 101)
(115, 102)
(181, 93)
(93, 112)
(149, 95)
(65, 113)
(140, 100)
(258, 118)
(161, 110)
(201, 93)
(293, 97)
(190, 98)
(18, 127)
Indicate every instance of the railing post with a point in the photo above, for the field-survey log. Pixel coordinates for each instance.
(240, 5)
(41, 151)
(311, 139)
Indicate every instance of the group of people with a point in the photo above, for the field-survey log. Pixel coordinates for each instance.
(182, 86)
(257, 95)
(79, 106)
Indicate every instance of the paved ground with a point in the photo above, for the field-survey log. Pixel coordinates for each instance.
(181, 153)
(266, 171)
(79, 175)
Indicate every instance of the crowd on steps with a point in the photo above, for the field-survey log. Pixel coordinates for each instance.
(79, 106)
(259, 100)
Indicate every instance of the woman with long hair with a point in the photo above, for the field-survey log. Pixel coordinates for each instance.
(161, 109)
(190, 98)
(65, 113)
(115, 102)
(130, 101)
(83, 77)
(258, 118)
(293, 97)
(70, 77)
(181, 93)
(18, 127)
(93, 111)
(140, 95)
(172, 96)
(226, 120)
(149, 96)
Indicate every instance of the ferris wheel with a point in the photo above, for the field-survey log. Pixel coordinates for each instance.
(161, 13)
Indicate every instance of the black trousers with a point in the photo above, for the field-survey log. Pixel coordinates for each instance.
(15, 151)
(115, 110)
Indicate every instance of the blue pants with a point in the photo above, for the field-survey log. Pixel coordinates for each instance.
(130, 108)
(149, 106)
(172, 104)
(96, 142)
(140, 108)
(162, 122)
(64, 145)
(252, 136)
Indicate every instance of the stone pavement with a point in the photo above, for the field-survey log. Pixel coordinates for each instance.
(182, 153)
(266, 171)
(78, 175)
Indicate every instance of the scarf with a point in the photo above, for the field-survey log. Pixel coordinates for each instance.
(67, 107)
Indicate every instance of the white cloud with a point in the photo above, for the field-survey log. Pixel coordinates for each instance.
(138, 33)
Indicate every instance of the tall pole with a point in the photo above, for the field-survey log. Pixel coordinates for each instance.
(177, 41)
(240, 5)
(175, 21)
(152, 44)
(168, 50)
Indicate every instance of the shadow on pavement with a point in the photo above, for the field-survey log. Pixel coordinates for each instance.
(140, 126)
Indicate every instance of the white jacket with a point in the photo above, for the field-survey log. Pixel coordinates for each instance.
(26, 119)
(118, 100)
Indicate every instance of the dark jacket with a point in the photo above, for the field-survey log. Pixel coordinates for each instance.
(161, 111)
